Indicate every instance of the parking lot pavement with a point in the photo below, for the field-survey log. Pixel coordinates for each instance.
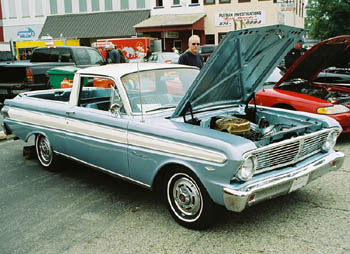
(79, 210)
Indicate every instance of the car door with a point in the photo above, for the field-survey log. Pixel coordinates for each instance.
(95, 135)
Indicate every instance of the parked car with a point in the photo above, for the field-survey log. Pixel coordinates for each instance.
(190, 133)
(19, 76)
(164, 57)
(306, 86)
(206, 50)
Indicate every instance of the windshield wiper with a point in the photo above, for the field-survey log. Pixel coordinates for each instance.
(161, 108)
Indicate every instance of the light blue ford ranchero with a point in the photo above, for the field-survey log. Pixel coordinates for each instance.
(190, 133)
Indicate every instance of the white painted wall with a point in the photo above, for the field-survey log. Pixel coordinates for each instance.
(271, 13)
(185, 7)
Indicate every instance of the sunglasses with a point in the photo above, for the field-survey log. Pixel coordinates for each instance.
(194, 44)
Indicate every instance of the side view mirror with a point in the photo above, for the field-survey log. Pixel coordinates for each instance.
(115, 109)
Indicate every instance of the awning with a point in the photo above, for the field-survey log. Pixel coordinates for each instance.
(171, 22)
(94, 25)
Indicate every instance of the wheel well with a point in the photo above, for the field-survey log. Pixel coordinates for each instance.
(284, 106)
(162, 172)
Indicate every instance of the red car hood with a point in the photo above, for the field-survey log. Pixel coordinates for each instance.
(332, 52)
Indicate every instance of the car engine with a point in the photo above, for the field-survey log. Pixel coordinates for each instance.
(331, 94)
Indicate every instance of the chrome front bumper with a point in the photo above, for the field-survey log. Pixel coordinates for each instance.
(238, 199)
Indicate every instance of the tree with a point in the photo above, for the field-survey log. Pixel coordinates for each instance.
(327, 18)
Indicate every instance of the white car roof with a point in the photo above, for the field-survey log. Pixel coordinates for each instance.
(119, 70)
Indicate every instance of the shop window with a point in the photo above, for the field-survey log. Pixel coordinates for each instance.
(25, 8)
(39, 8)
(178, 45)
(194, 1)
(82, 6)
(210, 39)
(224, 1)
(209, 1)
(67, 6)
(176, 2)
(95, 5)
(159, 3)
(140, 4)
(108, 5)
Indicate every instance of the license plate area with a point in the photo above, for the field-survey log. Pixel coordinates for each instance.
(299, 182)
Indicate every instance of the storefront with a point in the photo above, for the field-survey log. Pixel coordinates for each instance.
(174, 30)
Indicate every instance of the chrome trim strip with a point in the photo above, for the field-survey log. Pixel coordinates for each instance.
(93, 130)
(175, 148)
(125, 178)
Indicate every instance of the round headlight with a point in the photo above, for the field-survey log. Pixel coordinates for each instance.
(248, 168)
(330, 141)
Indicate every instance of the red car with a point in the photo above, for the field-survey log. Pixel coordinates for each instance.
(303, 88)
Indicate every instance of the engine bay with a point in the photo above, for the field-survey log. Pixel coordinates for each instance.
(331, 94)
(259, 125)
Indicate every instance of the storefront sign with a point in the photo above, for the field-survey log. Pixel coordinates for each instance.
(247, 17)
(26, 34)
(287, 6)
(171, 34)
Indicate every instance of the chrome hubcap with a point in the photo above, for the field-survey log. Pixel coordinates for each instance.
(187, 197)
(45, 150)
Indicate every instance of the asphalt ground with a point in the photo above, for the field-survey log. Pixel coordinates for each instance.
(79, 210)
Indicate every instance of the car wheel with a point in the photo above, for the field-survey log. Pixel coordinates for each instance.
(187, 200)
(46, 156)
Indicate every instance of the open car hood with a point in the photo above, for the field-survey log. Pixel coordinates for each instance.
(240, 64)
(331, 52)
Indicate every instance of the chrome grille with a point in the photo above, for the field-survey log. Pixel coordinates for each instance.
(289, 151)
(312, 144)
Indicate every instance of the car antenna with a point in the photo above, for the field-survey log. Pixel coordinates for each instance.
(140, 94)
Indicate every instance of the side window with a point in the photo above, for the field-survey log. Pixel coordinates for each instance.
(95, 57)
(41, 55)
(85, 56)
(51, 55)
(81, 56)
(98, 93)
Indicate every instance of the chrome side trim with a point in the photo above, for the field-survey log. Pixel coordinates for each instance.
(175, 148)
(125, 178)
(95, 131)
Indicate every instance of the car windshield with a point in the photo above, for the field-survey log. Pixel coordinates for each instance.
(159, 89)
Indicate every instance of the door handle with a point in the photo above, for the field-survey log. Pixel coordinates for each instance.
(139, 155)
(70, 112)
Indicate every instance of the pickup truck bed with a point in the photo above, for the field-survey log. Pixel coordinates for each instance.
(20, 76)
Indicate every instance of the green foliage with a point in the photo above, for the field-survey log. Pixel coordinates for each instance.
(327, 18)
